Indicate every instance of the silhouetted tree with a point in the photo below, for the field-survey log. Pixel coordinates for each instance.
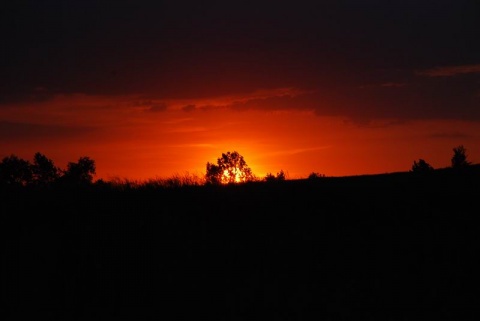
(421, 166)
(459, 158)
(230, 168)
(43, 170)
(214, 174)
(81, 172)
(272, 178)
(15, 171)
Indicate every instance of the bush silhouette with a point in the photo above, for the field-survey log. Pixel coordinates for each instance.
(421, 166)
(314, 176)
(281, 176)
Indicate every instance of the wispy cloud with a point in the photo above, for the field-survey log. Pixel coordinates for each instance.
(449, 71)
(197, 145)
(233, 100)
(158, 107)
(393, 84)
(186, 129)
(296, 151)
(452, 135)
(177, 121)
(188, 108)
(374, 123)
(385, 84)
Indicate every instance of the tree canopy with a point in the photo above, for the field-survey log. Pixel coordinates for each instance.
(82, 171)
(230, 168)
(15, 171)
(459, 158)
(44, 170)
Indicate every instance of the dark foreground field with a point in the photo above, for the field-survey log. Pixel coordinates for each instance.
(383, 247)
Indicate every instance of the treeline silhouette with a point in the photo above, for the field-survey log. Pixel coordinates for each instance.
(399, 246)
(17, 172)
(231, 168)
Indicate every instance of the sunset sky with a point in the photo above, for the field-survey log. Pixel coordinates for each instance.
(150, 89)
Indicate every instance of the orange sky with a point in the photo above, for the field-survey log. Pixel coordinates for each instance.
(129, 139)
(151, 89)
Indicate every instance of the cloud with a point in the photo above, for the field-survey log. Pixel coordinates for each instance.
(450, 71)
(383, 104)
(240, 100)
(451, 135)
(386, 84)
(20, 131)
(393, 84)
(374, 123)
(158, 108)
(390, 101)
(177, 121)
(20, 94)
(187, 129)
(198, 145)
(143, 103)
(296, 151)
(188, 108)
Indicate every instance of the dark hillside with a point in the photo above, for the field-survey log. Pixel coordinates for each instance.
(376, 247)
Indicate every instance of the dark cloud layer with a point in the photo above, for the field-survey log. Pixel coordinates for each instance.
(15, 131)
(365, 59)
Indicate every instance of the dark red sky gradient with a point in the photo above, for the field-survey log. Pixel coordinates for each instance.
(152, 88)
